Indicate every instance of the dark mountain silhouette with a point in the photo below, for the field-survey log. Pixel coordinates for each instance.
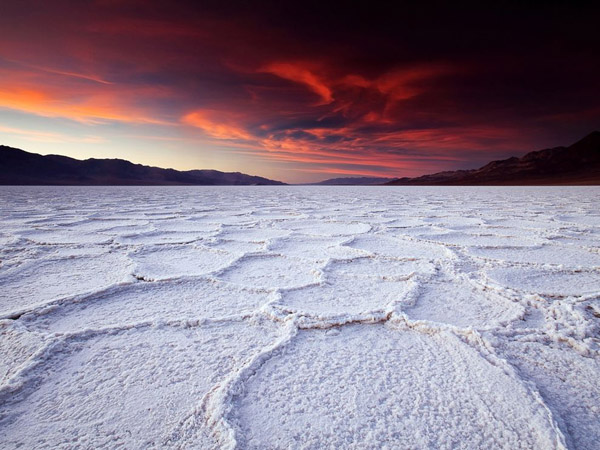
(354, 181)
(577, 164)
(18, 167)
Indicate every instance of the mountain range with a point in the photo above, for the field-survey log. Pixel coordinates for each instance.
(18, 167)
(354, 181)
(578, 164)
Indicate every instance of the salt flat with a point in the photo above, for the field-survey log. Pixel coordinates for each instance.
(300, 317)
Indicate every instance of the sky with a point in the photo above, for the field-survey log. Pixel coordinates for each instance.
(298, 91)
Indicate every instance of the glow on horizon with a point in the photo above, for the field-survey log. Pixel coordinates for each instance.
(208, 90)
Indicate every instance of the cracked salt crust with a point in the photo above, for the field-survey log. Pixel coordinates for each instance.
(299, 317)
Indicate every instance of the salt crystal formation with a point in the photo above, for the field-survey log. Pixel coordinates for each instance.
(299, 317)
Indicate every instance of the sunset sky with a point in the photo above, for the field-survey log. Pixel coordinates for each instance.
(297, 91)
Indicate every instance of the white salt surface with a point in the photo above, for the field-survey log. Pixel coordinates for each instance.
(299, 317)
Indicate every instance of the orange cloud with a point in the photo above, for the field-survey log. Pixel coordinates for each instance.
(80, 101)
(391, 173)
(87, 110)
(297, 73)
(53, 70)
(367, 143)
(45, 136)
(216, 124)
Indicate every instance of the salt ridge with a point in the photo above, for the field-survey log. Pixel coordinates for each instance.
(256, 281)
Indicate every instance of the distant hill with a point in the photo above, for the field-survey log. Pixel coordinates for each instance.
(354, 181)
(578, 164)
(18, 167)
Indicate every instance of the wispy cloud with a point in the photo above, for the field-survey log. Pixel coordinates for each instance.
(297, 91)
(50, 137)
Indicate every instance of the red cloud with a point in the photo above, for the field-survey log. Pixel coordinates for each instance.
(58, 94)
(217, 125)
(242, 85)
(300, 74)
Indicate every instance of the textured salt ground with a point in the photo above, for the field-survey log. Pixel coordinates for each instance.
(441, 301)
(251, 234)
(185, 226)
(154, 237)
(127, 388)
(99, 225)
(455, 222)
(299, 317)
(569, 384)
(589, 239)
(16, 253)
(61, 236)
(362, 386)
(40, 282)
(268, 271)
(346, 297)
(399, 248)
(17, 346)
(555, 254)
(326, 227)
(388, 268)
(314, 248)
(149, 303)
(236, 247)
(174, 261)
(482, 239)
(552, 282)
